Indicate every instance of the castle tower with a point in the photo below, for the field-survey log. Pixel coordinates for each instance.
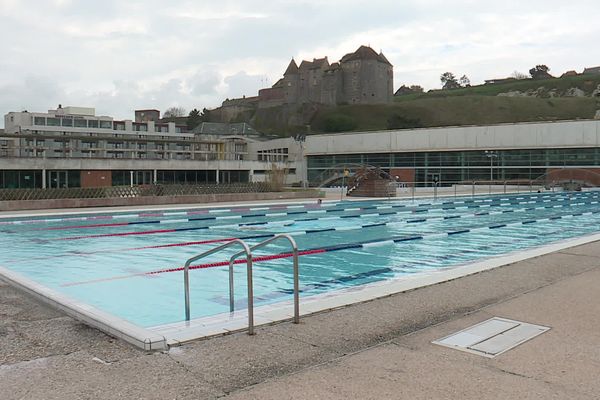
(290, 83)
(367, 77)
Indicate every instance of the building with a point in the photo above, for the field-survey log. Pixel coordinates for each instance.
(361, 77)
(506, 152)
(569, 73)
(591, 71)
(72, 147)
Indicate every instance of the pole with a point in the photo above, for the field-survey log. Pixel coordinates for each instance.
(491, 172)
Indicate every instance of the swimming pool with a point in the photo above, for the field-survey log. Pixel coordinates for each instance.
(129, 264)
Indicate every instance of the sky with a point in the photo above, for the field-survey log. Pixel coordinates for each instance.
(118, 56)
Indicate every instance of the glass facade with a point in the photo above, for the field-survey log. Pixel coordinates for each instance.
(460, 166)
(23, 179)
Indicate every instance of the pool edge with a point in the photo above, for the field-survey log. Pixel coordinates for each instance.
(326, 302)
(107, 323)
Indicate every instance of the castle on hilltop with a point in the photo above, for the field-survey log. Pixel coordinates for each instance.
(362, 77)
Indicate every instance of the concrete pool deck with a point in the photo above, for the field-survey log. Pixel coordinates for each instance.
(378, 349)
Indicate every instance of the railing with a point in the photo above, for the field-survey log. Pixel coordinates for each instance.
(412, 189)
(248, 252)
(295, 266)
(186, 279)
(132, 191)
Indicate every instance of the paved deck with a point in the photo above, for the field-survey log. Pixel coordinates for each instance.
(375, 350)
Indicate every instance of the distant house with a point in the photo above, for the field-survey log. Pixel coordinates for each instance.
(569, 73)
(404, 90)
(497, 81)
(591, 71)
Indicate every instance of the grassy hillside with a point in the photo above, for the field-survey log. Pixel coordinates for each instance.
(587, 83)
(463, 109)
(476, 105)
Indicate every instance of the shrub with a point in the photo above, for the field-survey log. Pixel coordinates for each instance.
(339, 123)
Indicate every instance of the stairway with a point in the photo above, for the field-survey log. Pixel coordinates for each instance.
(371, 183)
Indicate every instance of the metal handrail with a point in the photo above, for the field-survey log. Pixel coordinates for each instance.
(296, 273)
(186, 278)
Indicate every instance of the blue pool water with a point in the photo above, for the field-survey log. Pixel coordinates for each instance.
(127, 264)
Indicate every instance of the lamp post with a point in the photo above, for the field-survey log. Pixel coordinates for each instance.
(491, 154)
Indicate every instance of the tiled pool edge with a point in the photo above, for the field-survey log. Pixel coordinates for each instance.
(114, 326)
(202, 328)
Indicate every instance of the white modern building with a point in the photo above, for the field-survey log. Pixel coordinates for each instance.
(507, 152)
(72, 147)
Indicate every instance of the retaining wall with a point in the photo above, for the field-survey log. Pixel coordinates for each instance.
(18, 205)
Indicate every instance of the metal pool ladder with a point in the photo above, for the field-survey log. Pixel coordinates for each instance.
(248, 251)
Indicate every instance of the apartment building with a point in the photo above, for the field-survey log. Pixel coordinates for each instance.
(73, 147)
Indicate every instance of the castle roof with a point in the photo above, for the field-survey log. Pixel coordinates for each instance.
(334, 66)
(314, 64)
(291, 69)
(365, 53)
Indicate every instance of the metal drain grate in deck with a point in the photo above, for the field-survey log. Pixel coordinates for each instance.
(492, 337)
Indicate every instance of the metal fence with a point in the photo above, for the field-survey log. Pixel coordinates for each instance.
(132, 191)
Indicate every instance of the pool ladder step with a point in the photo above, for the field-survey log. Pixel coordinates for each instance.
(247, 250)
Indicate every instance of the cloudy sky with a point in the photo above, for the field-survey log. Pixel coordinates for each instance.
(121, 55)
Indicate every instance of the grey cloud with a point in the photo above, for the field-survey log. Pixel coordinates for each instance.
(121, 55)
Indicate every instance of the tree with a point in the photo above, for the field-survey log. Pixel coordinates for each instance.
(173, 112)
(205, 115)
(449, 81)
(519, 75)
(540, 72)
(417, 88)
(464, 81)
(194, 119)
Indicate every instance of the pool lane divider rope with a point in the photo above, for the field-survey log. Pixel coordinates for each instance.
(161, 231)
(319, 208)
(215, 218)
(329, 249)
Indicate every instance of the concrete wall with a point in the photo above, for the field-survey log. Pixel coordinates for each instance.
(152, 200)
(508, 136)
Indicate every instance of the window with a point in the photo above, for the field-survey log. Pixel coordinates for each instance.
(92, 123)
(106, 124)
(39, 121)
(53, 121)
(80, 123)
(66, 121)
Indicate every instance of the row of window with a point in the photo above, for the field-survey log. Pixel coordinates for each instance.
(78, 122)
(532, 157)
(27, 179)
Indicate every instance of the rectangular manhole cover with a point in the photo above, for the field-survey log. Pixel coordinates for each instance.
(492, 337)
